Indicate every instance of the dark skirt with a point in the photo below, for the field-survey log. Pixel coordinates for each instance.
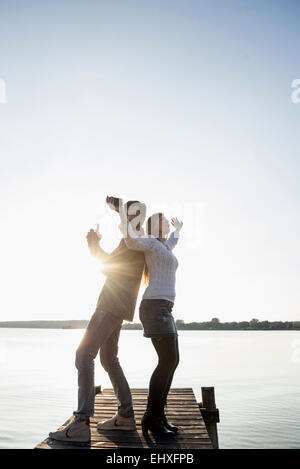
(157, 319)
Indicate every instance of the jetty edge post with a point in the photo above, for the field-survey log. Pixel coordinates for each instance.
(210, 414)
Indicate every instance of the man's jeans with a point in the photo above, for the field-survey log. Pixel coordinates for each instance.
(101, 334)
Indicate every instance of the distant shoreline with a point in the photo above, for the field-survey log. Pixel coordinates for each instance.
(213, 325)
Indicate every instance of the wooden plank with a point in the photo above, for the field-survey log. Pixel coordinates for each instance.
(182, 410)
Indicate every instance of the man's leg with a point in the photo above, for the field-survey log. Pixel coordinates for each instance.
(110, 362)
(99, 329)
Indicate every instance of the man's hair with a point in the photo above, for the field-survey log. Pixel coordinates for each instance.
(128, 205)
(140, 207)
(138, 210)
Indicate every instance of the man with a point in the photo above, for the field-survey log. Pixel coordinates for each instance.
(117, 300)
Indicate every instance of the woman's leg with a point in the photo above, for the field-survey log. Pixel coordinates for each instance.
(169, 383)
(161, 379)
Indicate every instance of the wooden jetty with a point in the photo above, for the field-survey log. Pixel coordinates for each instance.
(182, 410)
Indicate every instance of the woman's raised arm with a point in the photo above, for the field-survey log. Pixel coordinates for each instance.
(174, 236)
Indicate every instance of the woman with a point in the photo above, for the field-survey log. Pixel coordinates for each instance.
(155, 312)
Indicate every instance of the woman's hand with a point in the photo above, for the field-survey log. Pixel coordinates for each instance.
(177, 224)
(114, 203)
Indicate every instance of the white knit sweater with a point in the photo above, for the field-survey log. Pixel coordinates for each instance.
(160, 260)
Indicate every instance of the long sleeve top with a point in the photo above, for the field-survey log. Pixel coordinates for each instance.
(160, 260)
(123, 269)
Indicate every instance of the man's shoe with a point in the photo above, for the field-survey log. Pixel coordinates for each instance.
(118, 423)
(77, 431)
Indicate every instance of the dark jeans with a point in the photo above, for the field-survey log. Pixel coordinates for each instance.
(101, 334)
(161, 379)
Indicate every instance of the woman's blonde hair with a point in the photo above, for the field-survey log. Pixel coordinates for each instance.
(149, 227)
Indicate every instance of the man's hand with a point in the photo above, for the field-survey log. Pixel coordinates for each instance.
(93, 237)
(177, 224)
(114, 203)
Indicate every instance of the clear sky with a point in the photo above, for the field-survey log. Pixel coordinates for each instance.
(185, 105)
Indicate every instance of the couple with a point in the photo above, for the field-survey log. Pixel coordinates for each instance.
(138, 254)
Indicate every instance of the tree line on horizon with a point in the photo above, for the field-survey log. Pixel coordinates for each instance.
(215, 324)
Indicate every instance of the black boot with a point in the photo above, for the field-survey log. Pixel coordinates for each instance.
(168, 425)
(154, 423)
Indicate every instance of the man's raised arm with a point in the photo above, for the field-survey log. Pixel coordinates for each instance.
(93, 238)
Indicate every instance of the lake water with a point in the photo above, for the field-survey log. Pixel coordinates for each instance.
(256, 376)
